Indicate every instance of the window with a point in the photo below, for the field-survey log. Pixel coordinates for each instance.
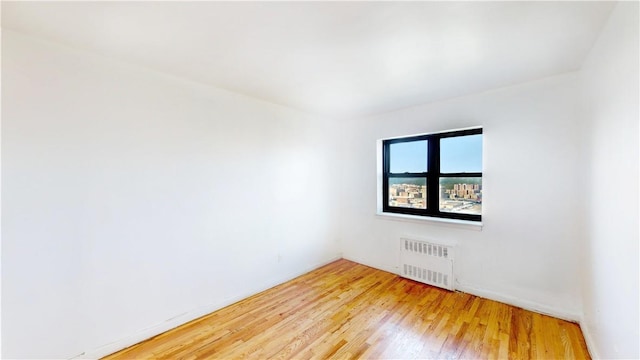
(438, 175)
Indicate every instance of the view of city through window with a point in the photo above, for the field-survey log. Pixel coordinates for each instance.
(458, 167)
(457, 195)
(408, 192)
(461, 195)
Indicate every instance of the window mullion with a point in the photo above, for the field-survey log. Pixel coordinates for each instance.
(404, 175)
(476, 174)
(432, 175)
(385, 176)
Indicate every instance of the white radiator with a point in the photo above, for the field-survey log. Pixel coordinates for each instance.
(427, 262)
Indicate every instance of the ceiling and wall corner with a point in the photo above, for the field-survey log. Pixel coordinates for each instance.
(332, 58)
(132, 122)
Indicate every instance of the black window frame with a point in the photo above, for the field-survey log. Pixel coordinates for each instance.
(432, 175)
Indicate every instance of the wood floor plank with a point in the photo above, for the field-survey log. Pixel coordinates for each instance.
(350, 311)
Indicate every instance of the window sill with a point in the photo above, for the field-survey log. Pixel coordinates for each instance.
(462, 224)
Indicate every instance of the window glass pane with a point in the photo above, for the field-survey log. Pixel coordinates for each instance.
(408, 192)
(461, 154)
(408, 157)
(461, 195)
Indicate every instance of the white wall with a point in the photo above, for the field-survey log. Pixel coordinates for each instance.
(611, 265)
(134, 201)
(526, 251)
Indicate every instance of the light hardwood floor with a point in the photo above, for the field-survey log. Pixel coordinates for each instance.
(348, 310)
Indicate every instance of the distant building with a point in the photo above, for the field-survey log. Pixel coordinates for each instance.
(408, 195)
(465, 191)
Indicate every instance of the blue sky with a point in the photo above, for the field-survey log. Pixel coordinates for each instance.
(457, 154)
(409, 157)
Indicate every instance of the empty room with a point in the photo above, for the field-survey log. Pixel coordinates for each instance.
(320, 180)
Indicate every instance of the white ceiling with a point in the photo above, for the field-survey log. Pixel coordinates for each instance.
(334, 58)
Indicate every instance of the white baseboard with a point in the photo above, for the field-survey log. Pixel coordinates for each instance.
(588, 338)
(521, 303)
(366, 263)
(189, 316)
